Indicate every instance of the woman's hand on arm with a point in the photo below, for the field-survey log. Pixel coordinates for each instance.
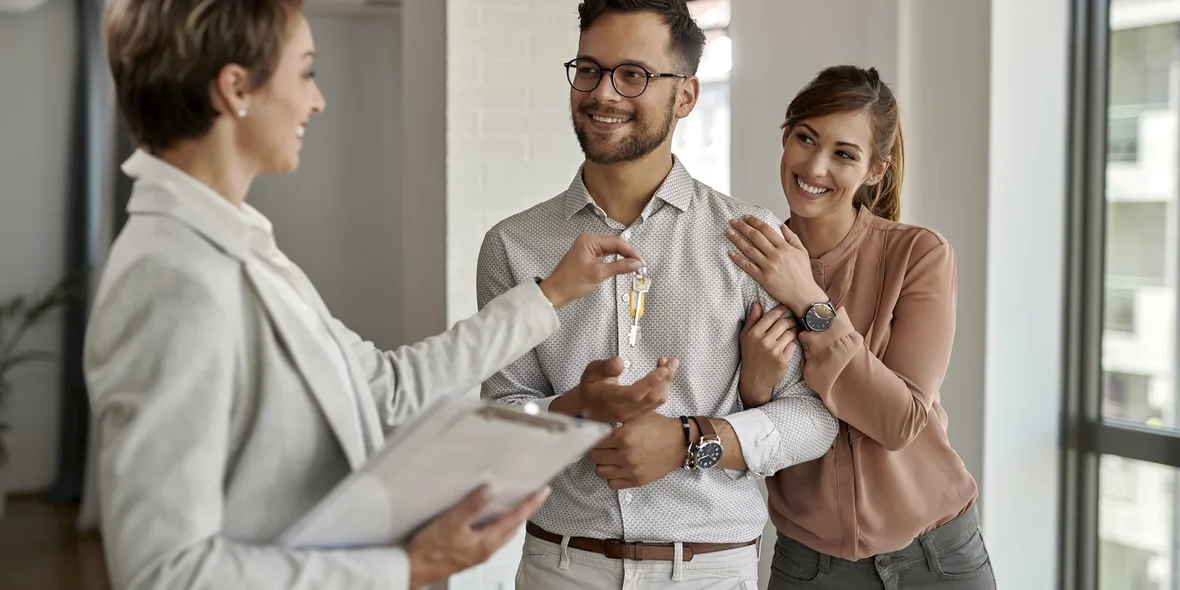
(777, 260)
(767, 343)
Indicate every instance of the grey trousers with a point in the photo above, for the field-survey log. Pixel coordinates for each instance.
(951, 557)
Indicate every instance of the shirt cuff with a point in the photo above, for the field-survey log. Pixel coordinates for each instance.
(544, 403)
(759, 439)
(401, 567)
(819, 344)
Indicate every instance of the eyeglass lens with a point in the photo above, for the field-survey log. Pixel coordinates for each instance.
(629, 80)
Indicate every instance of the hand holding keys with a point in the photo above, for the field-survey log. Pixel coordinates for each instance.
(640, 284)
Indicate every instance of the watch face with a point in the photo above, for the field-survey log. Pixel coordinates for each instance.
(709, 455)
(819, 317)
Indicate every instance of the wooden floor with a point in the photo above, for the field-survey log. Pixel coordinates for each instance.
(41, 548)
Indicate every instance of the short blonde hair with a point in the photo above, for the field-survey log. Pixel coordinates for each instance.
(164, 55)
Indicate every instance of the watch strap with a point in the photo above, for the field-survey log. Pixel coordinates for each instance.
(801, 320)
(706, 428)
(688, 446)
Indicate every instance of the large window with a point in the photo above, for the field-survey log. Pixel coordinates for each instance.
(1121, 483)
(702, 139)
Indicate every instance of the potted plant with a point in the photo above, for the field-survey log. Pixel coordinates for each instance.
(18, 315)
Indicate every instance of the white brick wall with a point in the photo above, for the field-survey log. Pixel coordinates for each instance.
(509, 146)
(509, 140)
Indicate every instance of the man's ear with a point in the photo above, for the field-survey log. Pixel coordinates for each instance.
(687, 95)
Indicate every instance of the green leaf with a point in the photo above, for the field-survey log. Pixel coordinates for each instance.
(13, 307)
(27, 314)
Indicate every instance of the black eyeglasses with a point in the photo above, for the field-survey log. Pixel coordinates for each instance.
(629, 80)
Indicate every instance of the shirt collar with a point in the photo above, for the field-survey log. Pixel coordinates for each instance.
(677, 190)
(849, 244)
(148, 169)
(163, 189)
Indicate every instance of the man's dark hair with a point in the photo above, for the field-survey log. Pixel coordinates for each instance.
(688, 40)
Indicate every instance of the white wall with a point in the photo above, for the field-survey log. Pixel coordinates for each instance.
(510, 144)
(37, 64)
(334, 215)
(984, 101)
(1028, 156)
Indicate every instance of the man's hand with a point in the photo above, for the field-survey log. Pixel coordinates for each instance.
(600, 397)
(452, 544)
(581, 270)
(640, 452)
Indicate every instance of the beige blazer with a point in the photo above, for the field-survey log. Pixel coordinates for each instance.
(220, 420)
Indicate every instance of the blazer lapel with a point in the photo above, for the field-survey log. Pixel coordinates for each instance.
(153, 196)
(371, 422)
(308, 357)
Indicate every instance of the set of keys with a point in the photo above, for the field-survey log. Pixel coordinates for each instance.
(640, 285)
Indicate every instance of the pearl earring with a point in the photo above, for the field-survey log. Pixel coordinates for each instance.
(241, 113)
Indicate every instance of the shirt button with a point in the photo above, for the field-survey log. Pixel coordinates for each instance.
(627, 235)
(627, 497)
(625, 297)
(626, 363)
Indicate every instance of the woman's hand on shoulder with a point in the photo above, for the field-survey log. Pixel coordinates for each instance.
(767, 343)
(777, 260)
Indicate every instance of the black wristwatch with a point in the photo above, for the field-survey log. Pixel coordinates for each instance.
(818, 317)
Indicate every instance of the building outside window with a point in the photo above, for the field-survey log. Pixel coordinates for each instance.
(1129, 541)
(702, 139)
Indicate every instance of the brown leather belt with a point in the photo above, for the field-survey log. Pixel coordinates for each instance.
(636, 551)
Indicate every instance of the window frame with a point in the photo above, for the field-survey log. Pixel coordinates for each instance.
(1086, 434)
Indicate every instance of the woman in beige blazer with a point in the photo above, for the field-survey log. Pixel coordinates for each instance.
(227, 400)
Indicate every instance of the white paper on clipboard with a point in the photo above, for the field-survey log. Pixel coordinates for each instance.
(433, 462)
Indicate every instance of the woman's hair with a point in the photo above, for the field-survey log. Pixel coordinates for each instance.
(849, 89)
(165, 54)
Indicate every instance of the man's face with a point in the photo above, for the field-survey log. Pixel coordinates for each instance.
(613, 128)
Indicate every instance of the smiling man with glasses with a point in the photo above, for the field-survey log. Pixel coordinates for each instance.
(671, 498)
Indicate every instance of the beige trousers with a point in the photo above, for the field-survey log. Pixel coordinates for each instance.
(549, 566)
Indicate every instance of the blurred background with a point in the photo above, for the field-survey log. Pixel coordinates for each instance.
(1042, 140)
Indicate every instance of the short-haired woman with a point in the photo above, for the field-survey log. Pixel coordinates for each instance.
(227, 399)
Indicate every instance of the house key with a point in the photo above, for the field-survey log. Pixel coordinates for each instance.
(640, 284)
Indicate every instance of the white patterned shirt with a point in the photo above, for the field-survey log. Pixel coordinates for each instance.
(694, 311)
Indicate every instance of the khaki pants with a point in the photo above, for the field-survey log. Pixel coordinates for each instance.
(549, 566)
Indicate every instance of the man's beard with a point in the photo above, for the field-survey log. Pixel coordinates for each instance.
(641, 142)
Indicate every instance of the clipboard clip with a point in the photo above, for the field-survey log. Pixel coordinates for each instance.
(508, 414)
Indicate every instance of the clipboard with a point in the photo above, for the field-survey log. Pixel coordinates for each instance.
(432, 463)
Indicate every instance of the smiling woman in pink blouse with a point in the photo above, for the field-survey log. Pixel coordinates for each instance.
(891, 505)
